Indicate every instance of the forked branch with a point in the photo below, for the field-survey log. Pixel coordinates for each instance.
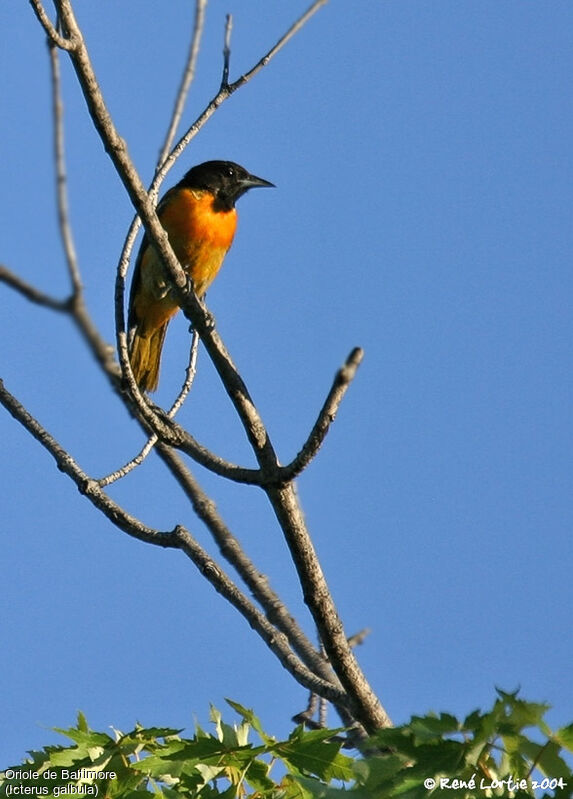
(350, 690)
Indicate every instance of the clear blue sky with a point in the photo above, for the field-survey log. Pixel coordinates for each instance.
(422, 156)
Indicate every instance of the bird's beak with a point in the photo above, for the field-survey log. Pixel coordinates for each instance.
(252, 181)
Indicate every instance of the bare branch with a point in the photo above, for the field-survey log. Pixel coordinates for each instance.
(358, 638)
(53, 35)
(226, 90)
(365, 706)
(119, 305)
(158, 422)
(61, 180)
(322, 712)
(292, 31)
(305, 716)
(318, 703)
(186, 80)
(123, 471)
(103, 352)
(31, 292)
(175, 436)
(234, 553)
(327, 414)
(113, 142)
(190, 373)
(179, 538)
(86, 485)
(362, 703)
(227, 51)
(276, 641)
(276, 612)
(152, 440)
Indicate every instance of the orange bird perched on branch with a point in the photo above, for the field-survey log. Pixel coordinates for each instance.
(200, 218)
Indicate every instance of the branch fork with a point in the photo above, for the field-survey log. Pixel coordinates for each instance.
(333, 674)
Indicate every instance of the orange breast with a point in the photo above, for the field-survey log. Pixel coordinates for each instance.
(199, 235)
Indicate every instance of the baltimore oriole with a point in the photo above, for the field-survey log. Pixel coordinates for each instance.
(200, 219)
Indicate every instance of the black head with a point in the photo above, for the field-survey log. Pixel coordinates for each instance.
(226, 180)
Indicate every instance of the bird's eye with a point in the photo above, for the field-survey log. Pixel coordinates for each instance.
(230, 171)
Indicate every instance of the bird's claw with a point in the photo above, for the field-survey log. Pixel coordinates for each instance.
(209, 320)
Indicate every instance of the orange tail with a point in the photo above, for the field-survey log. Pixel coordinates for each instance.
(145, 357)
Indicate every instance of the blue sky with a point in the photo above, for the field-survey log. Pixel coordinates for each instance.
(422, 157)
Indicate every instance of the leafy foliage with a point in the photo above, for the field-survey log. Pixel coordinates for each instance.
(486, 754)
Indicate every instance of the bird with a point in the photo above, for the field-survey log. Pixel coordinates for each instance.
(200, 218)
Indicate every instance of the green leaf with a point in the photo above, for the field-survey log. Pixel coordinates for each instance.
(311, 788)
(565, 737)
(376, 772)
(295, 788)
(257, 775)
(158, 761)
(86, 738)
(250, 717)
(447, 757)
(308, 753)
(82, 722)
(230, 736)
(431, 727)
(521, 713)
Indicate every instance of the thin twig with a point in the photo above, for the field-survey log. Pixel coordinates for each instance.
(61, 179)
(225, 91)
(124, 470)
(292, 31)
(85, 484)
(31, 292)
(186, 80)
(189, 375)
(341, 382)
(227, 51)
(76, 303)
(305, 716)
(119, 301)
(153, 439)
(102, 351)
(167, 430)
(60, 41)
(358, 638)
